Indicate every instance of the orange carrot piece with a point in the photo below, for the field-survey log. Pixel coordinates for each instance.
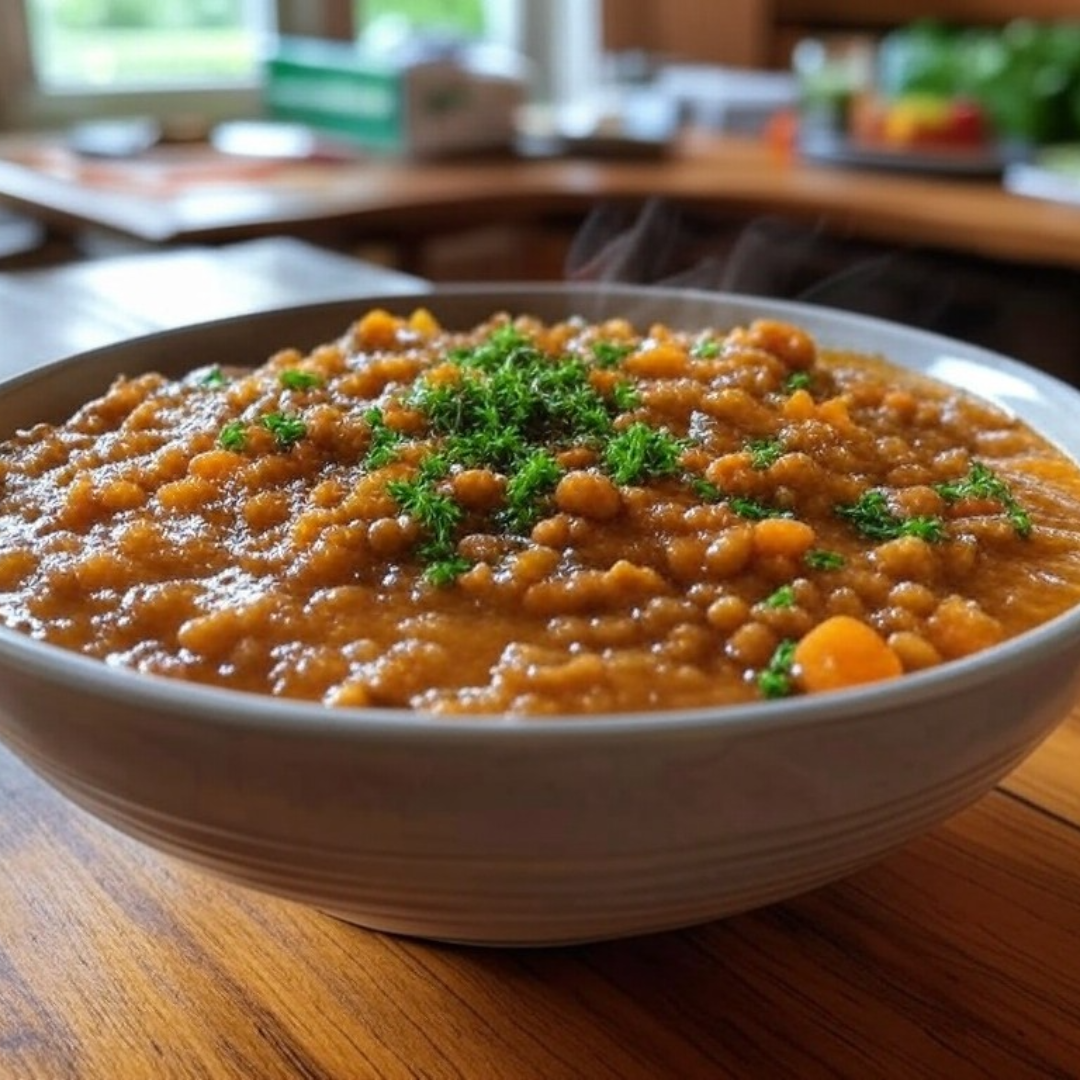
(783, 536)
(843, 651)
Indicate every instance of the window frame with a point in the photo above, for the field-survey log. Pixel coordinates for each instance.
(24, 104)
(562, 36)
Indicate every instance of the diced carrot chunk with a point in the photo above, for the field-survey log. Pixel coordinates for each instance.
(783, 536)
(843, 651)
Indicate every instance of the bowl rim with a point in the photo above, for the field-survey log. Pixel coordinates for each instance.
(221, 706)
(214, 706)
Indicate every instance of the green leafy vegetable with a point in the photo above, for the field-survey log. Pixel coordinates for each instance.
(287, 430)
(626, 396)
(445, 571)
(783, 597)
(982, 482)
(798, 380)
(873, 518)
(706, 490)
(755, 510)
(642, 452)
(817, 559)
(438, 516)
(610, 353)
(764, 452)
(295, 379)
(537, 476)
(706, 349)
(385, 441)
(214, 378)
(233, 436)
(775, 681)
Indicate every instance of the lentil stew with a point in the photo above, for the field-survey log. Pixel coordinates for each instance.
(529, 517)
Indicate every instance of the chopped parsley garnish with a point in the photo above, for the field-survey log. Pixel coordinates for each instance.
(754, 509)
(982, 482)
(286, 429)
(503, 344)
(510, 408)
(764, 452)
(610, 353)
(443, 572)
(706, 490)
(774, 680)
(233, 436)
(783, 597)
(214, 378)
(626, 396)
(818, 559)
(743, 505)
(706, 349)
(436, 512)
(295, 379)
(513, 404)
(383, 447)
(641, 453)
(798, 380)
(438, 515)
(536, 477)
(873, 518)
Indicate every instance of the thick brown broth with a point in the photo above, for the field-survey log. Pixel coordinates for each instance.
(532, 518)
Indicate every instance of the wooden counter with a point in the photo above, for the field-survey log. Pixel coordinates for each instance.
(185, 195)
(957, 957)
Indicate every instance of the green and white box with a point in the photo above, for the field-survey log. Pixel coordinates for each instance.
(397, 105)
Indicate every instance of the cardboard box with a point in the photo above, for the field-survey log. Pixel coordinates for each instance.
(417, 103)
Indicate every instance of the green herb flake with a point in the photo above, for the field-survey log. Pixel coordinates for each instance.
(385, 441)
(774, 680)
(438, 515)
(798, 380)
(626, 396)
(607, 354)
(706, 490)
(871, 517)
(764, 452)
(526, 489)
(642, 452)
(233, 436)
(818, 559)
(445, 571)
(214, 379)
(286, 429)
(783, 597)
(510, 399)
(982, 482)
(755, 510)
(706, 349)
(295, 379)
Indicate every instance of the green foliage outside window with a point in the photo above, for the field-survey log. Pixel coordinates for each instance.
(463, 16)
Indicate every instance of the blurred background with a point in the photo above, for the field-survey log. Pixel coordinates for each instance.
(988, 89)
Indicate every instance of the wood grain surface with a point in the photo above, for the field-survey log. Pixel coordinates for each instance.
(956, 957)
(398, 200)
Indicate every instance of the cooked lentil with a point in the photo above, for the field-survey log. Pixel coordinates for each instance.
(531, 518)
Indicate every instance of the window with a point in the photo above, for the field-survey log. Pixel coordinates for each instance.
(119, 44)
(67, 60)
(467, 17)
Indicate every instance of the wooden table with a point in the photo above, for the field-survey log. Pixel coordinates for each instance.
(956, 957)
(199, 195)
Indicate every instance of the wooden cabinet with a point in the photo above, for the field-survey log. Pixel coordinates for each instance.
(736, 33)
(759, 33)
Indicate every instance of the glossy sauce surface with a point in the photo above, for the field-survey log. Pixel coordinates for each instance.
(530, 518)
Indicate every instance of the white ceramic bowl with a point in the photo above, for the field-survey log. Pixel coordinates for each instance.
(542, 830)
